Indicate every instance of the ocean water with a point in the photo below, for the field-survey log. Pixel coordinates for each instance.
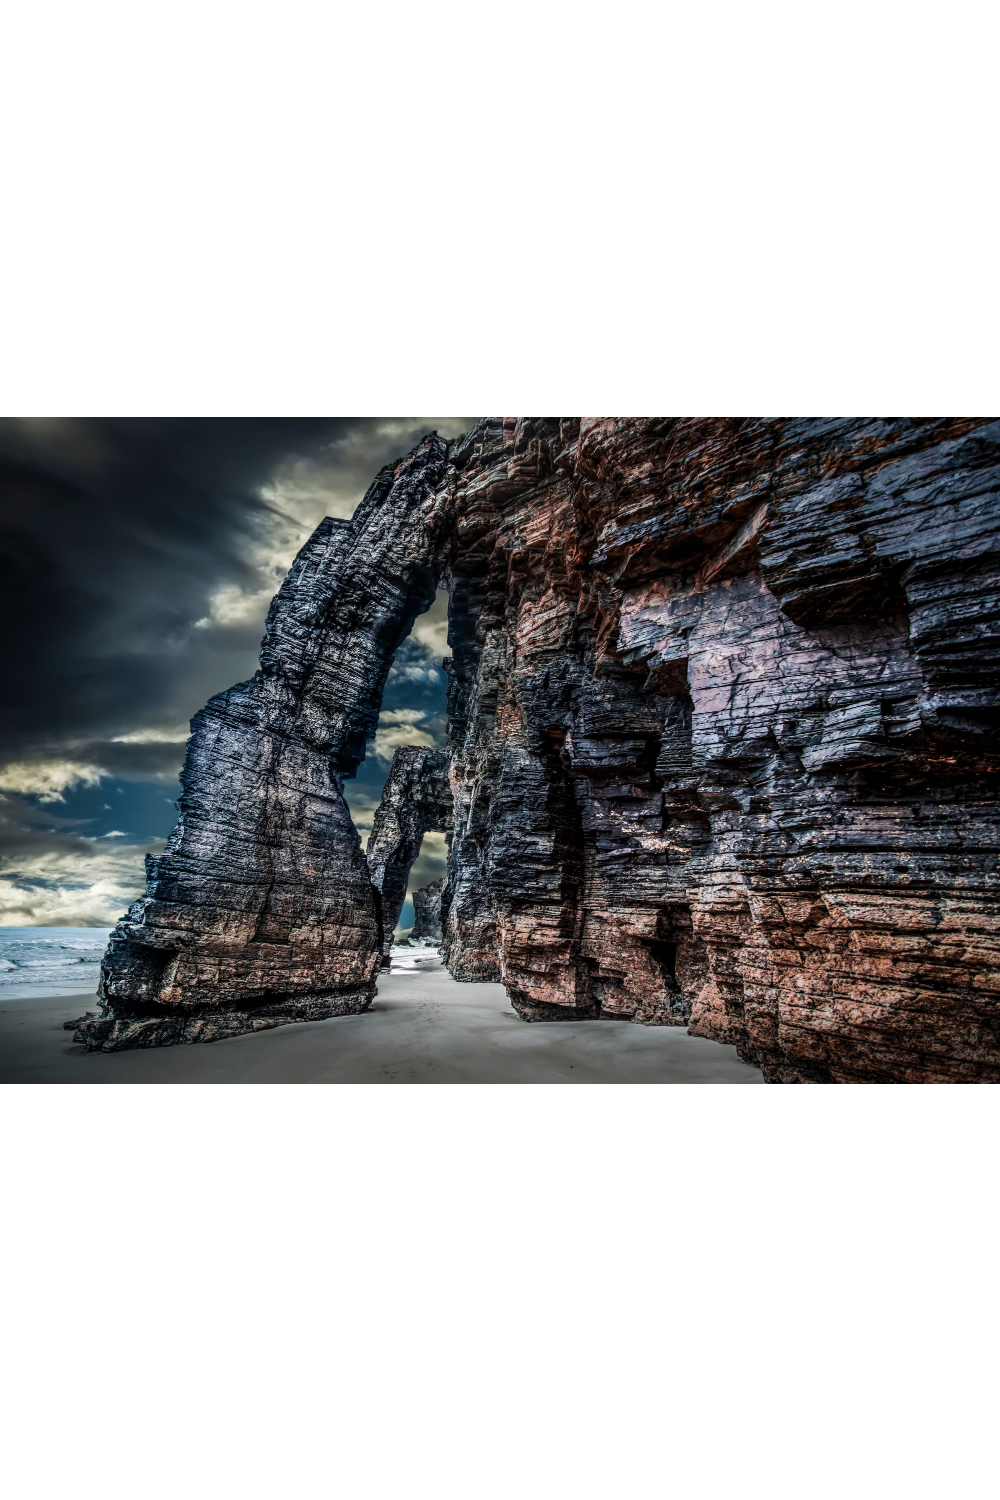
(422, 954)
(50, 960)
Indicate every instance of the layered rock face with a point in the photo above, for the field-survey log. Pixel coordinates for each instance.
(723, 710)
(723, 715)
(427, 913)
(261, 909)
(416, 798)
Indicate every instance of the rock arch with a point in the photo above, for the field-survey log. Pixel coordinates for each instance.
(261, 911)
(416, 799)
(723, 748)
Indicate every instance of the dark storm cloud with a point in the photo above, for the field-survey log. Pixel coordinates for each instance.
(137, 559)
(29, 830)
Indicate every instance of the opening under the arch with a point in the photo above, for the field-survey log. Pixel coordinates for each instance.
(413, 712)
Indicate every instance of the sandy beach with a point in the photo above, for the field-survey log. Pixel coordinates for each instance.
(422, 1027)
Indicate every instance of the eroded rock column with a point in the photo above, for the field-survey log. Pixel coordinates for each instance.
(261, 910)
(416, 799)
(427, 912)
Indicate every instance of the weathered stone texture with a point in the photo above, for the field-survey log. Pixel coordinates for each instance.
(724, 699)
(427, 913)
(261, 909)
(723, 707)
(416, 798)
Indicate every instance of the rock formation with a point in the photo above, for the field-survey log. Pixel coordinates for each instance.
(416, 798)
(427, 913)
(723, 711)
(261, 910)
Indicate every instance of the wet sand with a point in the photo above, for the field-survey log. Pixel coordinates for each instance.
(422, 1027)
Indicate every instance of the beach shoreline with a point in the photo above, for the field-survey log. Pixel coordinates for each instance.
(422, 1027)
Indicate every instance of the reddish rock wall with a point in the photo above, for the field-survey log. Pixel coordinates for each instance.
(723, 709)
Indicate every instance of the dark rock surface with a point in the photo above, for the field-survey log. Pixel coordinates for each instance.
(416, 798)
(724, 708)
(724, 703)
(427, 913)
(261, 911)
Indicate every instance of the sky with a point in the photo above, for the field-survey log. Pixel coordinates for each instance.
(137, 562)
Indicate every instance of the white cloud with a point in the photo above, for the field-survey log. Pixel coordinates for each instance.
(430, 864)
(430, 631)
(173, 736)
(413, 671)
(98, 905)
(91, 886)
(432, 635)
(235, 606)
(393, 716)
(316, 485)
(48, 780)
(400, 726)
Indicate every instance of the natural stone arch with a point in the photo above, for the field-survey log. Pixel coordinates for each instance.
(722, 727)
(260, 910)
(416, 799)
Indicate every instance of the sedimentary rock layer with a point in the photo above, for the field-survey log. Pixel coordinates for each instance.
(416, 798)
(261, 910)
(723, 734)
(427, 913)
(723, 712)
